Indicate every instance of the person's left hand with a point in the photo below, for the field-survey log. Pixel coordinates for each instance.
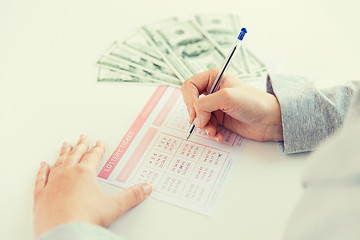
(69, 191)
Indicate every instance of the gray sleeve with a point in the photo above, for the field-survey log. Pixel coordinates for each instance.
(79, 231)
(329, 208)
(309, 114)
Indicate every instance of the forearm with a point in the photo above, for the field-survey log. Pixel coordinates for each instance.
(79, 231)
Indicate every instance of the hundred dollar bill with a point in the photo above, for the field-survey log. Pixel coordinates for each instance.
(126, 68)
(138, 45)
(108, 75)
(186, 48)
(151, 35)
(117, 51)
(223, 28)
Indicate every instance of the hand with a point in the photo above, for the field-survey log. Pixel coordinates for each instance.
(69, 191)
(237, 106)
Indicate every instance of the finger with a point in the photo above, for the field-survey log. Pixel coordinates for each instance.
(93, 157)
(204, 106)
(78, 152)
(65, 149)
(210, 128)
(132, 196)
(212, 131)
(195, 86)
(219, 137)
(41, 179)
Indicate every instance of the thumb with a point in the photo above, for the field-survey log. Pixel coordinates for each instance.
(195, 86)
(206, 105)
(132, 196)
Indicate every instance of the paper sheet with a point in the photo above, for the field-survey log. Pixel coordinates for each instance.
(190, 174)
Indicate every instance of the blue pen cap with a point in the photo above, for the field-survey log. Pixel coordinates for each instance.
(242, 34)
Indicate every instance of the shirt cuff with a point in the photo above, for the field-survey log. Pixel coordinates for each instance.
(79, 231)
(297, 103)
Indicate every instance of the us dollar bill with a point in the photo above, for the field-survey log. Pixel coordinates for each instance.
(139, 46)
(185, 47)
(151, 35)
(118, 52)
(108, 75)
(223, 28)
(127, 68)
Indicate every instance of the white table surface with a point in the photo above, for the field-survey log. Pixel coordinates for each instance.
(48, 94)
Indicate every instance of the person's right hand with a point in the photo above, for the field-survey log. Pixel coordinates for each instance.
(243, 109)
(69, 191)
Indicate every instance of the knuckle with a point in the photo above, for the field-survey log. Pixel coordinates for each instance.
(198, 104)
(92, 151)
(214, 70)
(58, 163)
(38, 186)
(96, 151)
(39, 173)
(226, 94)
(40, 180)
(121, 207)
(137, 195)
(99, 148)
(79, 148)
(82, 169)
(186, 85)
(62, 154)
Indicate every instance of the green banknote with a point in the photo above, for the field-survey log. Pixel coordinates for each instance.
(138, 45)
(119, 52)
(170, 51)
(185, 47)
(108, 75)
(125, 67)
(150, 34)
(223, 28)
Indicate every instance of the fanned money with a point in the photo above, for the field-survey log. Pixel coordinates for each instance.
(170, 51)
(108, 75)
(222, 29)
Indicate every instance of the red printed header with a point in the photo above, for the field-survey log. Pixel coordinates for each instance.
(131, 133)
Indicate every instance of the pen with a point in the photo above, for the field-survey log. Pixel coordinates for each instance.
(216, 85)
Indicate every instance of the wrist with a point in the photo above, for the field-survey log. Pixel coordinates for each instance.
(274, 129)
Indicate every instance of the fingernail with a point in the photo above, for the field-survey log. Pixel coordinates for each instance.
(82, 136)
(197, 122)
(147, 188)
(217, 139)
(65, 145)
(207, 131)
(42, 164)
(189, 111)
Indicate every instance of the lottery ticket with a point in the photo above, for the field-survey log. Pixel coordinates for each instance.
(188, 173)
